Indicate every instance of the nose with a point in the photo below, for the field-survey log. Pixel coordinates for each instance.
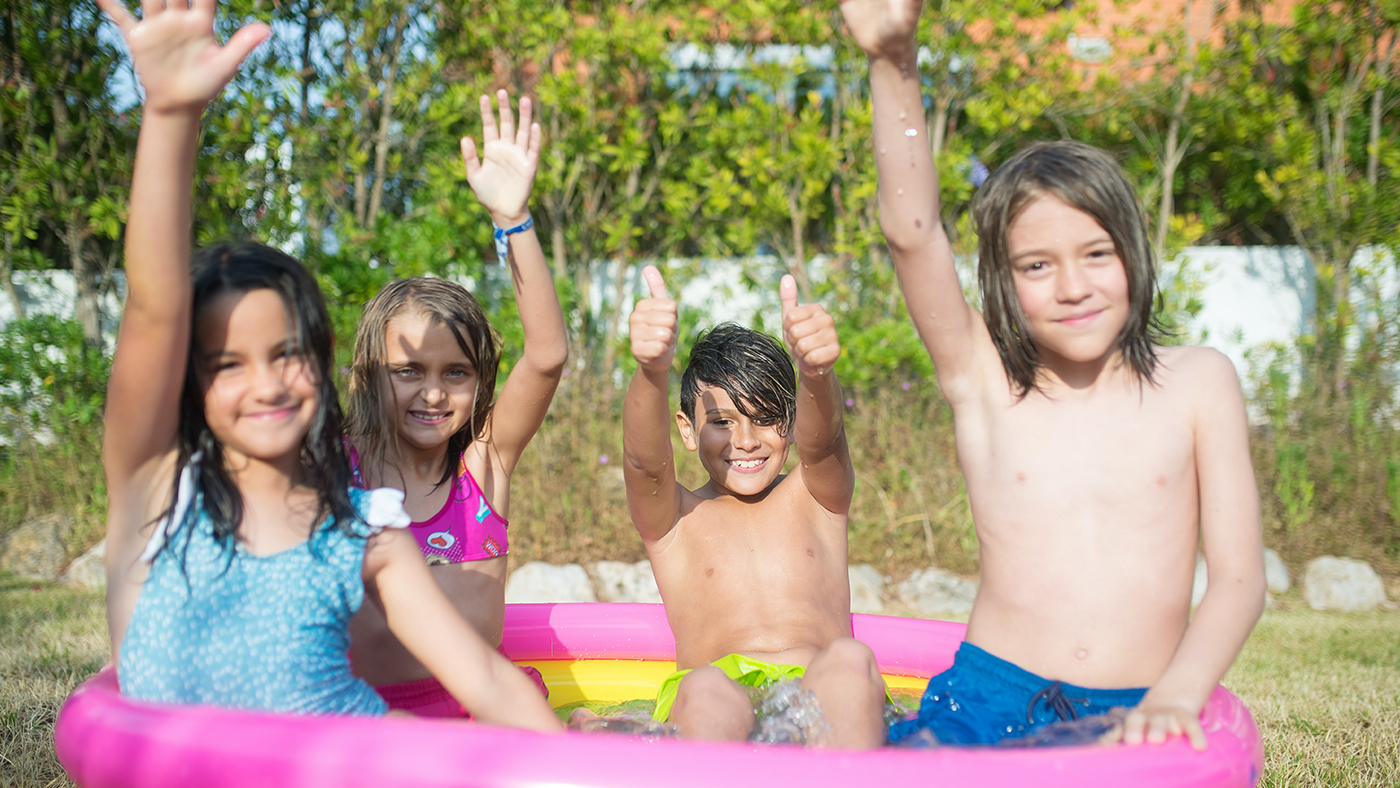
(746, 436)
(433, 390)
(270, 381)
(1072, 283)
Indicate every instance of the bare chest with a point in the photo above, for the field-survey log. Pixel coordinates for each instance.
(1101, 457)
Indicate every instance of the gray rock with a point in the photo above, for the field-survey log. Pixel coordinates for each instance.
(621, 582)
(1276, 572)
(934, 591)
(867, 589)
(35, 550)
(88, 572)
(1331, 583)
(538, 581)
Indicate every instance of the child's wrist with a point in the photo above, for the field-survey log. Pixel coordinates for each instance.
(506, 221)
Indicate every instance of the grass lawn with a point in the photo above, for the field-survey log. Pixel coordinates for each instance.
(1324, 687)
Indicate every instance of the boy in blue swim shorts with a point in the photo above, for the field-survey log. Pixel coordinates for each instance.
(1096, 459)
(752, 565)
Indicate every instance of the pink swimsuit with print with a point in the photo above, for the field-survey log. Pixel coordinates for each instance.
(467, 528)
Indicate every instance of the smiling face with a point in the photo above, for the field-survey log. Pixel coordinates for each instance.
(743, 456)
(259, 391)
(1070, 281)
(430, 386)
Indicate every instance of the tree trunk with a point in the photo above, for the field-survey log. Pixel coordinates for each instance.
(87, 310)
(386, 118)
(7, 279)
(798, 264)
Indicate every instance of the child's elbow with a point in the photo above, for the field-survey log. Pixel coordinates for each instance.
(551, 360)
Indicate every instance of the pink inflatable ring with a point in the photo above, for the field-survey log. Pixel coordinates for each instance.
(107, 741)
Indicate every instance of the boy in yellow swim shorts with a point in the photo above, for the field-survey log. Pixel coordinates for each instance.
(752, 565)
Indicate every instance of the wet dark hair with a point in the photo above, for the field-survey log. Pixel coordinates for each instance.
(754, 369)
(1088, 179)
(325, 466)
(445, 303)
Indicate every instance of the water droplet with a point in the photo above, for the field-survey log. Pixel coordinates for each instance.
(911, 132)
(899, 192)
(882, 151)
(901, 114)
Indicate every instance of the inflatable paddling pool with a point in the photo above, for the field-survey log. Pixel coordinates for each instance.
(600, 652)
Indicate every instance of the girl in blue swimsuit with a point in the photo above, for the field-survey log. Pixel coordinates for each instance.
(236, 550)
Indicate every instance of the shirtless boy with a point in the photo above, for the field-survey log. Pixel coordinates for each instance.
(751, 566)
(1093, 458)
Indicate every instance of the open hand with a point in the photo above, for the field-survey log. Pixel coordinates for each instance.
(809, 331)
(179, 61)
(1154, 722)
(653, 325)
(882, 26)
(502, 178)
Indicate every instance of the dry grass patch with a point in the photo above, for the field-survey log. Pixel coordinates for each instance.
(50, 640)
(1325, 691)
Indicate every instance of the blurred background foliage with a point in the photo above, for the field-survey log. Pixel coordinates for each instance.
(681, 132)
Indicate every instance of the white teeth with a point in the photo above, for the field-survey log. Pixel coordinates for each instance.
(746, 463)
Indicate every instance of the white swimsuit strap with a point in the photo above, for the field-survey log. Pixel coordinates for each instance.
(184, 498)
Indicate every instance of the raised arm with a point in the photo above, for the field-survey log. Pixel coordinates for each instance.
(810, 334)
(502, 181)
(653, 497)
(908, 190)
(432, 630)
(1234, 551)
(182, 68)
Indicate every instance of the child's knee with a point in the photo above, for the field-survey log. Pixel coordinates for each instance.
(709, 688)
(711, 705)
(849, 656)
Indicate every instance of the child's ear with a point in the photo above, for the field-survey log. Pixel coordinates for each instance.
(687, 430)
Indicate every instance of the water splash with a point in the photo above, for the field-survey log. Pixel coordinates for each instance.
(788, 714)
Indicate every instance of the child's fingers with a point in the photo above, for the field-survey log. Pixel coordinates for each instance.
(488, 120)
(1133, 727)
(1194, 734)
(787, 291)
(241, 44)
(522, 137)
(507, 117)
(1157, 729)
(532, 151)
(150, 8)
(655, 284)
(469, 159)
(118, 13)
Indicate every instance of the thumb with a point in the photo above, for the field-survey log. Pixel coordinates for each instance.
(241, 44)
(655, 284)
(787, 291)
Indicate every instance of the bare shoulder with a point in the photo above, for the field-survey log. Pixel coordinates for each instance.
(1197, 368)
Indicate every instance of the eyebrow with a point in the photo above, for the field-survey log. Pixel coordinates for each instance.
(1036, 250)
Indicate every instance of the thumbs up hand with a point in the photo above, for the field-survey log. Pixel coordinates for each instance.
(653, 325)
(809, 331)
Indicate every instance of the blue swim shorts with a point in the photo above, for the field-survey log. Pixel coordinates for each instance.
(983, 699)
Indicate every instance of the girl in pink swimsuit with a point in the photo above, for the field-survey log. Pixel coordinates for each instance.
(423, 416)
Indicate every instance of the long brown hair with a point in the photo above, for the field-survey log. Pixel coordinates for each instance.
(445, 303)
(1088, 179)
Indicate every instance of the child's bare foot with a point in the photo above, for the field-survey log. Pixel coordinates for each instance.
(579, 716)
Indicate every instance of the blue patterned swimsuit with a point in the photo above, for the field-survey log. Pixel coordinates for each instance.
(253, 632)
